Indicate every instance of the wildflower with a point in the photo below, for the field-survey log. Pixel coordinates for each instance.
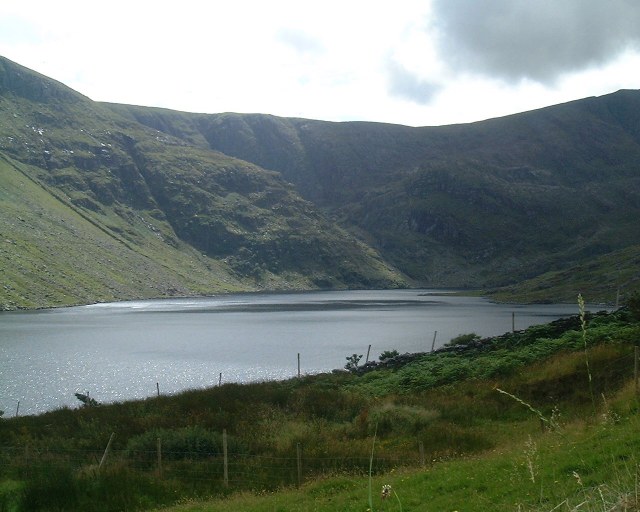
(577, 477)
(386, 491)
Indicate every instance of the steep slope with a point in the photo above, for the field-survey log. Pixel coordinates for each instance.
(612, 278)
(52, 253)
(482, 204)
(486, 204)
(150, 211)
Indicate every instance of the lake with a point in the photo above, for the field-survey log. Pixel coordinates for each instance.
(127, 350)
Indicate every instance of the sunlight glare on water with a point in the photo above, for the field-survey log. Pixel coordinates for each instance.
(120, 351)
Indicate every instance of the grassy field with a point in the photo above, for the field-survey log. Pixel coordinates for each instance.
(578, 466)
(543, 419)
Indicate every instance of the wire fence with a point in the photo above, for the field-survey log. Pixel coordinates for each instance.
(225, 468)
(214, 470)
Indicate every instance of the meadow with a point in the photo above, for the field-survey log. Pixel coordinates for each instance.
(540, 419)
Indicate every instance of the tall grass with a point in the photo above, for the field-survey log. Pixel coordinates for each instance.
(601, 497)
(583, 329)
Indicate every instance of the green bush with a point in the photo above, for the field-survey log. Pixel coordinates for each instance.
(399, 419)
(388, 354)
(50, 488)
(10, 495)
(463, 339)
(327, 403)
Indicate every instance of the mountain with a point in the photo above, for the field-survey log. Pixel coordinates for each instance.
(484, 204)
(106, 202)
(97, 207)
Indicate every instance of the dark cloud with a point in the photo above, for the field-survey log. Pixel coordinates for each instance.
(404, 84)
(535, 39)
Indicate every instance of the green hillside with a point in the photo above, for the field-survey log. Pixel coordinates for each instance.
(519, 205)
(150, 215)
(485, 204)
(55, 253)
(599, 275)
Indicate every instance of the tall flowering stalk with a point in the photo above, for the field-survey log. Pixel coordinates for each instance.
(583, 327)
(386, 489)
(535, 411)
(386, 493)
(373, 445)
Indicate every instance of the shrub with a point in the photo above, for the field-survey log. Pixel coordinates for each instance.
(327, 403)
(396, 418)
(388, 354)
(50, 488)
(352, 362)
(464, 339)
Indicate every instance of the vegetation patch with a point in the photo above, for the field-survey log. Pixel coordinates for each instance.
(445, 435)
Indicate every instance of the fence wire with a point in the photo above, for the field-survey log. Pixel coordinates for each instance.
(244, 471)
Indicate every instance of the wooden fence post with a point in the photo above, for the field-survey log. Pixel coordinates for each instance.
(225, 455)
(635, 368)
(298, 364)
(299, 463)
(159, 445)
(106, 451)
(158, 388)
(368, 352)
(433, 343)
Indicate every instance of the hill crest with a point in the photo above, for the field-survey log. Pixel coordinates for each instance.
(274, 203)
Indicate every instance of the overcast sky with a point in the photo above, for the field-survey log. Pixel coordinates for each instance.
(418, 63)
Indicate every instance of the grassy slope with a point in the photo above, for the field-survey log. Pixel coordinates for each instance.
(585, 459)
(175, 219)
(534, 472)
(483, 204)
(484, 450)
(608, 278)
(54, 253)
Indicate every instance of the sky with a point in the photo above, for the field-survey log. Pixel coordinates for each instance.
(411, 62)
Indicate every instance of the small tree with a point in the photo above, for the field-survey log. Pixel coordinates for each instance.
(86, 400)
(352, 362)
(464, 339)
(388, 354)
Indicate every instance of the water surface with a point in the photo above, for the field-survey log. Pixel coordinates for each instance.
(120, 351)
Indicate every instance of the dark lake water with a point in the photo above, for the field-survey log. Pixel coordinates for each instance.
(120, 351)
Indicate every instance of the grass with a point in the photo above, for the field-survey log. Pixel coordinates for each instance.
(608, 278)
(499, 480)
(95, 207)
(128, 187)
(457, 444)
(54, 254)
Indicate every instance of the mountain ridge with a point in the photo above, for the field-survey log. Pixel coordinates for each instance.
(524, 166)
(290, 203)
(158, 196)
